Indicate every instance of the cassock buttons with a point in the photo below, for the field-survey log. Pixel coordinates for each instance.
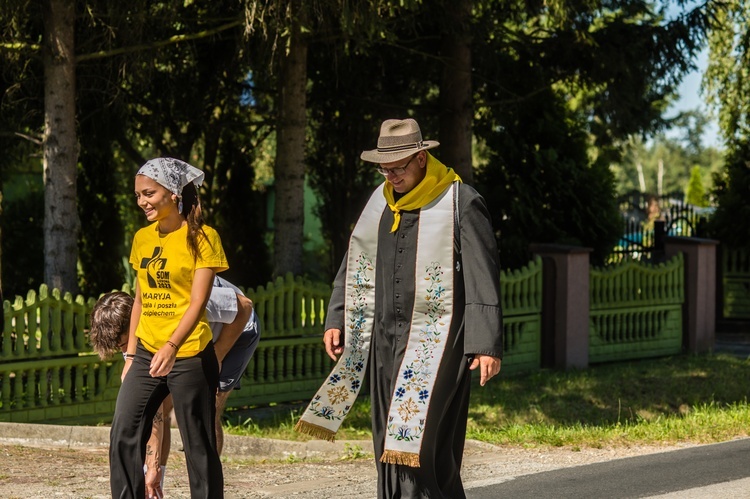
(401, 250)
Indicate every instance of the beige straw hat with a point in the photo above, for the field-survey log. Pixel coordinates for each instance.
(398, 139)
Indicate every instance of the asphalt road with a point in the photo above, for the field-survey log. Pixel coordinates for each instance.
(717, 470)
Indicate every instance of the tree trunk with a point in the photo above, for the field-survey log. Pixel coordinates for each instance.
(456, 110)
(289, 172)
(60, 147)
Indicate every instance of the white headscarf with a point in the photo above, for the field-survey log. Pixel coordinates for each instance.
(173, 174)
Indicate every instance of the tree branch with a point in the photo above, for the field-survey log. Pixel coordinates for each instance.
(31, 138)
(169, 41)
(19, 46)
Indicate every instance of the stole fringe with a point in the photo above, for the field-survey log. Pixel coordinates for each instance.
(315, 431)
(400, 457)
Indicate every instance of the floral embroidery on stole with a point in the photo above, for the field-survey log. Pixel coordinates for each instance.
(431, 319)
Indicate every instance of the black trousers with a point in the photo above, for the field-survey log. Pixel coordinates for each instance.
(192, 382)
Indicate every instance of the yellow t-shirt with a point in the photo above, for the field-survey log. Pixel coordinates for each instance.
(165, 271)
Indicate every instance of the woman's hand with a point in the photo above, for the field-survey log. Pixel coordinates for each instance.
(163, 361)
(125, 369)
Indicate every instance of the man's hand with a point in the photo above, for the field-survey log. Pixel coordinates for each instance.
(488, 366)
(334, 343)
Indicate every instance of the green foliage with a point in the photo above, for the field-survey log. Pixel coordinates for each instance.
(540, 185)
(352, 452)
(557, 87)
(617, 63)
(671, 156)
(731, 221)
(354, 87)
(685, 398)
(22, 244)
(556, 95)
(551, 82)
(701, 424)
(239, 212)
(728, 87)
(726, 79)
(698, 399)
(102, 240)
(198, 102)
(695, 194)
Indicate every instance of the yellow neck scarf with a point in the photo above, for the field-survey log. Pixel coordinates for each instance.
(438, 178)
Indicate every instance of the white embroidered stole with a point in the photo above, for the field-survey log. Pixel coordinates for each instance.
(430, 325)
(431, 319)
(333, 400)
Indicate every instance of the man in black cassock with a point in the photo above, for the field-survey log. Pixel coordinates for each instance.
(474, 340)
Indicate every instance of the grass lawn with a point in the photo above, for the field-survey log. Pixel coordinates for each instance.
(685, 398)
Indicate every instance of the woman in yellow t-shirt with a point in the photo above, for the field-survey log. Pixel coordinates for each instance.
(169, 347)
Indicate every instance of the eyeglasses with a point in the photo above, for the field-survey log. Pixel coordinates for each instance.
(396, 170)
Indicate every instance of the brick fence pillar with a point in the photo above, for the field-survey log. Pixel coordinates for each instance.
(565, 314)
(699, 309)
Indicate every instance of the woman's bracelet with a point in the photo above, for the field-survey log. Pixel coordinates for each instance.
(169, 342)
(128, 356)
